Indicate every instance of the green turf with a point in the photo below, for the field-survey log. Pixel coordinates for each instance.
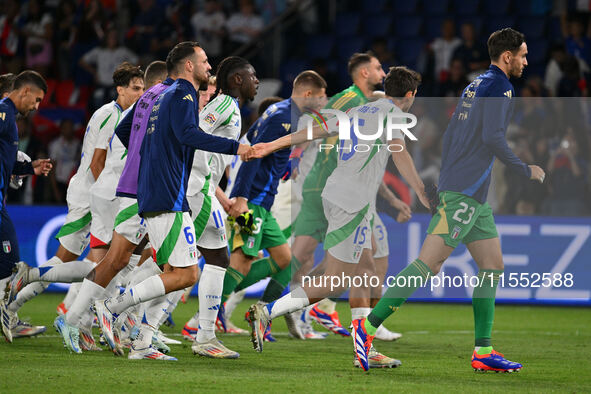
(551, 342)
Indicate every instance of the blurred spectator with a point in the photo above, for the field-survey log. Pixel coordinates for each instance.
(567, 170)
(457, 81)
(332, 80)
(553, 73)
(90, 27)
(577, 43)
(379, 47)
(426, 151)
(144, 26)
(10, 21)
(65, 35)
(38, 31)
(243, 26)
(472, 53)
(170, 31)
(443, 48)
(208, 29)
(571, 84)
(101, 62)
(64, 152)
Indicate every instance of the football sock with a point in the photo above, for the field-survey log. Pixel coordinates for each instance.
(89, 291)
(483, 349)
(210, 292)
(396, 295)
(172, 300)
(290, 302)
(233, 301)
(73, 271)
(280, 280)
(260, 269)
(483, 305)
(71, 294)
(231, 280)
(359, 313)
(327, 305)
(32, 289)
(147, 290)
(126, 271)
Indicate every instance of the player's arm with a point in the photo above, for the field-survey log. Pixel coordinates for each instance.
(495, 112)
(123, 129)
(223, 199)
(407, 169)
(97, 165)
(404, 211)
(184, 126)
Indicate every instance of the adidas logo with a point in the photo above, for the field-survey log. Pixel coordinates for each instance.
(286, 126)
(508, 94)
(188, 97)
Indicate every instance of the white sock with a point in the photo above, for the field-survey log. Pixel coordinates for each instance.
(233, 301)
(71, 294)
(143, 272)
(74, 271)
(327, 305)
(32, 289)
(3, 283)
(147, 290)
(126, 271)
(210, 293)
(89, 291)
(144, 338)
(359, 313)
(194, 321)
(290, 302)
(172, 300)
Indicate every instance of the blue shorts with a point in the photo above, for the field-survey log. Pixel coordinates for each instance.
(9, 253)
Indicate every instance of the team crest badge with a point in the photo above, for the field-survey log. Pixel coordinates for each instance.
(193, 252)
(6, 246)
(456, 232)
(210, 118)
(357, 252)
(250, 242)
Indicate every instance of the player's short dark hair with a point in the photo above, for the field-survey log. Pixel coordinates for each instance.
(30, 77)
(357, 60)
(309, 78)
(154, 72)
(266, 103)
(504, 40)
(125, 72)
(401, 80)
(180, 52)
(6, 83)
(227, 67)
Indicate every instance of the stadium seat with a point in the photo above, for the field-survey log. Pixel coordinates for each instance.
(409, 26)
(466, 7)
(498, 22)
(345, 48)
(439, 7)
(63, 93)
(476, 21)
(377, 7)
(432, 27)
(347, 24)
(406, 7)
(48, 98)
(378, 26)
(407, 51)
(496, 7)
(533, 27)
(319, 46)
(523, 7)
(554, 30)
(537, 51)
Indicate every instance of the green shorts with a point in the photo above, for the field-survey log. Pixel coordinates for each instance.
(460, 218)
(267, 234)
(311, 220)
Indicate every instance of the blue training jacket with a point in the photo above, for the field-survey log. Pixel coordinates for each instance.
(476, 135)
(168, 148)
(257, 180)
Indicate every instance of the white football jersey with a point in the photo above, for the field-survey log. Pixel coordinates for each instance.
(361, 163)
(100, 127)
(220, 117)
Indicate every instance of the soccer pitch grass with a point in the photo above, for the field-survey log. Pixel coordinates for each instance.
(553, 343)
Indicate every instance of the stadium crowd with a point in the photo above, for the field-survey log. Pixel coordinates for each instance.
(77, 44)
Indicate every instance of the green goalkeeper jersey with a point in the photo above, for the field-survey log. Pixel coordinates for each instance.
(326, 160)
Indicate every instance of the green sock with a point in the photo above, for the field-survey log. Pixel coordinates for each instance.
(280, 280)
(260, 269)
(396, 295)
(231, 280)
(485, 350)
(483, 304)
(369, 328)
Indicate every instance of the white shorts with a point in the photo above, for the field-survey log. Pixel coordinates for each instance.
(348, 233)
(284, 205)
(103, 220)
(172, 236)
(208, 218)
(380, 235)
(74, 234)
(127, 222)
